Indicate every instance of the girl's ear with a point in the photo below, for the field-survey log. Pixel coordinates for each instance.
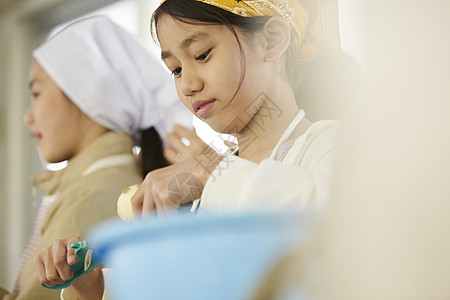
(277, 36)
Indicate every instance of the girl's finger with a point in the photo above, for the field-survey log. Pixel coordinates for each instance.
(137, 200)
(60, 260)
(171, 155)
(194, 140)
(167, 206)
(192, 136)
(51, 273)
(148, 204)
(157, 203)
(164, 205)
(175, 141)
(71, 258)
(183, 131)
(40, 269)
(229, 143)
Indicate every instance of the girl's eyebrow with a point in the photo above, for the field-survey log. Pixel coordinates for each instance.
(32, 82)
(193, 38)
(186, 43)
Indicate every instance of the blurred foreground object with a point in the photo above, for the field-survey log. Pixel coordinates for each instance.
(205, 257)
(387, 232)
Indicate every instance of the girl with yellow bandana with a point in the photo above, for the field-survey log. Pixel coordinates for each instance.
(236, 65)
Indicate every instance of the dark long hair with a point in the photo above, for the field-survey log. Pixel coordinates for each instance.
(314, 82)
(151, 155)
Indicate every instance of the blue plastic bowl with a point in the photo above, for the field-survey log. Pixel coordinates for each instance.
(204, 257)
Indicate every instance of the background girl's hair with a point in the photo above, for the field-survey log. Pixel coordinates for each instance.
(314, 84)
(151, 156)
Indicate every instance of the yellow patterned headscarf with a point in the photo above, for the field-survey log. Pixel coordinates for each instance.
(291, 10)
(314, 21)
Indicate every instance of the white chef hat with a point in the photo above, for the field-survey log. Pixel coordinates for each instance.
(111, 77)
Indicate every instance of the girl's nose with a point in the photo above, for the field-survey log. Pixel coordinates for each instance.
(28, 117)
(191, 83)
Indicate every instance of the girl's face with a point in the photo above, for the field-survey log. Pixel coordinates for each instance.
(55, 122)
(207, 66)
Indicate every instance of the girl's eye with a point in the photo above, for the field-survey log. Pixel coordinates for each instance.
(176, 72)
(34, 95)
(203, 56)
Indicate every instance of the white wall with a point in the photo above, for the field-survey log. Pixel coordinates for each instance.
(15, 200)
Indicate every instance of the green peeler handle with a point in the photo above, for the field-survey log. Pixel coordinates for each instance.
(82, 266)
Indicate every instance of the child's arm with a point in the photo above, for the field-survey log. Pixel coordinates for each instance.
(238, 184)
(165, 189)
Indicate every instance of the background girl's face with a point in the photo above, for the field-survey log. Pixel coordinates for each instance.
(55, 122)
(207, 66)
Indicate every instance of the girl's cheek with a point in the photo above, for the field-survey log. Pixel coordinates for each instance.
(179, 93)
(183, 99)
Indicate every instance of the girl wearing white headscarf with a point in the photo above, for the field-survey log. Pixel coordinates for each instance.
(93, 86)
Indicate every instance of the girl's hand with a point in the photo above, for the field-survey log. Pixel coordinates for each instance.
(165, 189)
(178, 150)
(53, 264)
(53, 267)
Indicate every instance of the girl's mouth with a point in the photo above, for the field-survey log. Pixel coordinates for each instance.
(202, 107)
(35, 135)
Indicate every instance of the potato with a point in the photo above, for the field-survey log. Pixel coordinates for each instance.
(124, 208)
